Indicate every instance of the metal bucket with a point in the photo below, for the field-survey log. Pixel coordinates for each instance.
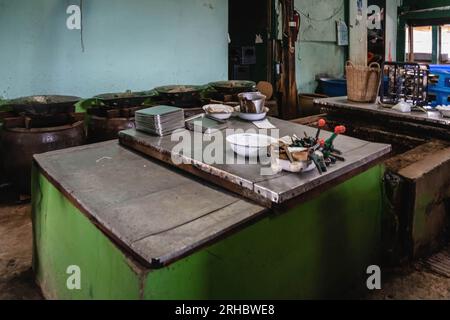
(252, 102)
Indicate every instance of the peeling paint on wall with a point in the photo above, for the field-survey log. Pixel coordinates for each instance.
(317, 52)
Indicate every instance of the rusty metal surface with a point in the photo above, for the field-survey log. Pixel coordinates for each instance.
(19, 145)
(246, 179)
(152, 212)
(341, 103)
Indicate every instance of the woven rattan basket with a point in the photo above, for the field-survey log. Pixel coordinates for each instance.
(363, 83)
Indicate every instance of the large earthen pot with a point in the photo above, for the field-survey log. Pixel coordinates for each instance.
(20, 144)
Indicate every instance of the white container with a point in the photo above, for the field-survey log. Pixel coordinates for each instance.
(294, 167)
(250, 145)
(225, 115)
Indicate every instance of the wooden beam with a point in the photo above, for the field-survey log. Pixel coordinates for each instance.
(411, 44)
(358, 32)
(288, 82)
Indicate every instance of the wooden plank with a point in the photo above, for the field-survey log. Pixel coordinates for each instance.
(288, 82)
(358, 33)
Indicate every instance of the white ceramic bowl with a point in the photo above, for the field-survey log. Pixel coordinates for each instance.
(228, 111)
(253, 116)
(250, 145)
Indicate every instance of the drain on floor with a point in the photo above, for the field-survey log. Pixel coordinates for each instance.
(439, 263)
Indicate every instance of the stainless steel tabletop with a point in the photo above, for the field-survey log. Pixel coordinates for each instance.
(246, 179)
(153, 213)
(342, 103)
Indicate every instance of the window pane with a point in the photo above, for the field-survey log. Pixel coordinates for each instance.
(423, 40)
(445, 43)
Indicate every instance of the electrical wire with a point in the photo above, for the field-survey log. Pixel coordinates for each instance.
(335, 13)
(82, 27)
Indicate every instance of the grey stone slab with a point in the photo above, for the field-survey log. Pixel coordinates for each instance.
(135, 200)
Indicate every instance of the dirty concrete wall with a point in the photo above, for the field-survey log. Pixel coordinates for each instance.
(317, 52)
(134, 44)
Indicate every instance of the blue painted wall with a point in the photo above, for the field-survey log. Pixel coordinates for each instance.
(133, 44)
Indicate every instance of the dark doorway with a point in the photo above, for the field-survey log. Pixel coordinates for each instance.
(377, 31)
(250, 48)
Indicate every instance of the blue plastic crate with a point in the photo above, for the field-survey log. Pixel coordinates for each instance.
(333, 87)
(442, 96)
(445, 67)
(444, 79)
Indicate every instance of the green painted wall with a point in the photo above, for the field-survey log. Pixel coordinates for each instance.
(134, 44)
(320, 249)
(317, 52)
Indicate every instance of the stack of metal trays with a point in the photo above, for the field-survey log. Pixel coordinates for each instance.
(159, 120)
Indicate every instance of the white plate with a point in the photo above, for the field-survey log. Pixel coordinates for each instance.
(250, 144)
(228, 111)
(253, 116)
(295, 167)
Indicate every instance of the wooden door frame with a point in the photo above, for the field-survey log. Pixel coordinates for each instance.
(287, 83)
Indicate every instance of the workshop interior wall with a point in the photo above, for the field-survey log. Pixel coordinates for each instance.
(317, 52)
(128, 45)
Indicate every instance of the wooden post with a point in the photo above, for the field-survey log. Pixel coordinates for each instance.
(358, 32)
(411, 57)
(401, 40)
(435, 57)
(288, 84)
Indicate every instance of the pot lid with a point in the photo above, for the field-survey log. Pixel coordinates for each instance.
(42, 100)
(233, 84)
(125, 95)
(177, 89)
(43, 104)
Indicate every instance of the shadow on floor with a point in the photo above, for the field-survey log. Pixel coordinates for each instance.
(20, 287)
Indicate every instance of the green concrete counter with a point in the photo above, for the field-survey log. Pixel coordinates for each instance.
(140, 230)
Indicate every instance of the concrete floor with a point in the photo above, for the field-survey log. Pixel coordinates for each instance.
(16, 277)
